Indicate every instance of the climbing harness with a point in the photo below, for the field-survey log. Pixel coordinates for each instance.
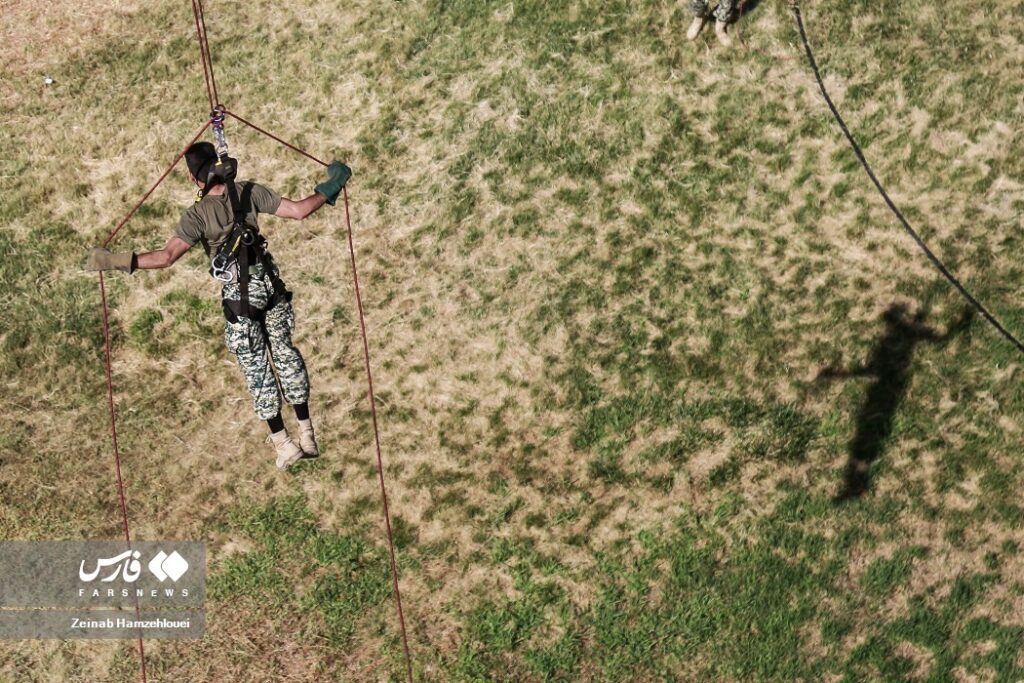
(238, 258)
(244, 248)
(939, 265)
(247, 249)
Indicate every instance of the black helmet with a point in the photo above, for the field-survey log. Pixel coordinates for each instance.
(205, 167)
(199, 157)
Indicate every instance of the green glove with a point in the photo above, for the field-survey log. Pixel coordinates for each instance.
(337, 175)
(102, 259)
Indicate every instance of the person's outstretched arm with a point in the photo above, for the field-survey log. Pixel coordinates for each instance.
(326, 193)
(163, 258)
(297, 210)
(129, 262)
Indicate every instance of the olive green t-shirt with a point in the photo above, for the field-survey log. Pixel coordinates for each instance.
(209, 221)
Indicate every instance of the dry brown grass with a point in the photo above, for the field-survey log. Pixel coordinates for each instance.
(194, 449)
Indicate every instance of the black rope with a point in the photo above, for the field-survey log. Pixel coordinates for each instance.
(795, 5)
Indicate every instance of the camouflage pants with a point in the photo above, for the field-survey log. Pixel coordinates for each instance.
(250, 341)
(723, 11)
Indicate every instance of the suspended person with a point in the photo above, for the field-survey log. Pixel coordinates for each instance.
(723, 13)
(257, 306)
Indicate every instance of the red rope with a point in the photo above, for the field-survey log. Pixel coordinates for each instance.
(274, 137)
(155, 185)
(110, 380)
(117, 456)
(109, 374)
(373, 403)
(207, 64)
(376, 440)
(211, 86)
(366, 357)
(209, 55)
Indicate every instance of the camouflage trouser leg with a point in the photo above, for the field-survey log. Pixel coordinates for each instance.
(723, 11)
(247, 340)
(291, 369)
(257, 343)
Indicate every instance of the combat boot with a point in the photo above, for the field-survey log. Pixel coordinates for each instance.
(288, 452)
(307, 440)
(721, 30)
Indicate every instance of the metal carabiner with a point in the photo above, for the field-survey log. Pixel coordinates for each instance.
(217, 121)
(220, 268)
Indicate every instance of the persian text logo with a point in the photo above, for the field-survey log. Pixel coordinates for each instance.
(127, 565)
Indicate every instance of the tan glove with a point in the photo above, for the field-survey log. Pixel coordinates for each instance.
(102, 259)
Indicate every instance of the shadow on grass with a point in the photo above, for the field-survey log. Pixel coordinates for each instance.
(889, 368)
(745, 7)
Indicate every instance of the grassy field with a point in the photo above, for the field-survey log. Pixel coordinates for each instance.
(665, 392)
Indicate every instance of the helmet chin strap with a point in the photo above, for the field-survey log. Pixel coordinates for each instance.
(221, 172)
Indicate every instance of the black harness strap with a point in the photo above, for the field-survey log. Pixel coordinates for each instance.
(250, 249)
(239, 211)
